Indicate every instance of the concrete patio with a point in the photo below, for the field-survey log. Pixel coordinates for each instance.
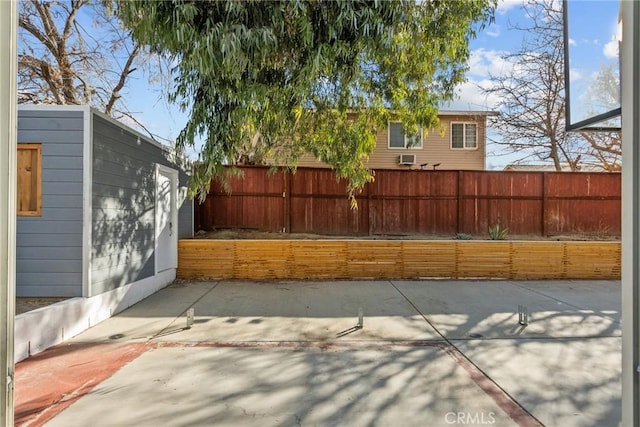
(436, 353)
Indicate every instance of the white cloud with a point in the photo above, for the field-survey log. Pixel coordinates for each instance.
(493, 30)
(469, 96)
(483, 63)
(610, 50)
(506, 5)
(128, 121)
(556, 4)
(575, 75)
(572, 42)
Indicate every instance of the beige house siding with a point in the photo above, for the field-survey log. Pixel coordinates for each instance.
(436, 148)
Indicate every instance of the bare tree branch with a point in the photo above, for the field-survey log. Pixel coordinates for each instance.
(532, 123)
(126, 70)
(63, 60)
(532, 98)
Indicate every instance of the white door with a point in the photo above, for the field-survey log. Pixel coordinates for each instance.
(166, 248)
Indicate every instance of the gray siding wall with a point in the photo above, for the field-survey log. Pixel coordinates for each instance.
(49, 247)
(185, 213)
(123, 206)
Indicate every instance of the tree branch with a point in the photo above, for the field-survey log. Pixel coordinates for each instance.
(126, 70)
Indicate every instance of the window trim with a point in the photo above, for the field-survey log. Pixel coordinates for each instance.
(38, 177)
(414, 147)
(464, 135)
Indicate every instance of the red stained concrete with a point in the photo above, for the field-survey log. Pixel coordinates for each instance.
(51, 381)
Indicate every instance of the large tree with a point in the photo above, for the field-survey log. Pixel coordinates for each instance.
(532, 111)
(75, 52)
(531, 123)
(298, 76)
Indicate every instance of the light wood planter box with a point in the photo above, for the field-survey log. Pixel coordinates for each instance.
(397, 259)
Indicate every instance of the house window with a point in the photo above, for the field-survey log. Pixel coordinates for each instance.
(29, 180)
(398, 139)
(464, 136)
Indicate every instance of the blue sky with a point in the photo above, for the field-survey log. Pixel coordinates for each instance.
(593, 42)
(593, 28)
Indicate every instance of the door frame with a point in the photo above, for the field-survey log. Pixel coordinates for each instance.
(172, 174)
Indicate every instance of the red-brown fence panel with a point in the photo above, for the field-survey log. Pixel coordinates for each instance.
(417, 202)
(319, 204)
(511, 199)
(583, 203)
(255, 201)
(413, 202)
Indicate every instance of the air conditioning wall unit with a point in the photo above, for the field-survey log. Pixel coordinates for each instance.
(407, 159)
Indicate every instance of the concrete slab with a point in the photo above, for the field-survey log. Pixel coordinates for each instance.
(274, 387)
(283, 353)
(489, 309)
(149, 317)
(301, 311)
(563, 382)
(599, 296)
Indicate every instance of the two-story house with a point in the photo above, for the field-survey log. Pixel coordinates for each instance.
(459, 143)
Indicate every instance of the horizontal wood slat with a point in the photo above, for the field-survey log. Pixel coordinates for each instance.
(397, 259)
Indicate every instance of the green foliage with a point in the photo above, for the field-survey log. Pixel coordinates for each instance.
(306, 76)
(463, 236)
(497, 232)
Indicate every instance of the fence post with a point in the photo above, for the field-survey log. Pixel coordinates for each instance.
(369, 209)
(544, 204)
(459, 204)
(286, 176)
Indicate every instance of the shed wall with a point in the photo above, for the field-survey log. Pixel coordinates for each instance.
(49, 247)
(123, 206)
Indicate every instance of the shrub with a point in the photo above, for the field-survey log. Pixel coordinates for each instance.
(463, 236)
(497, 232)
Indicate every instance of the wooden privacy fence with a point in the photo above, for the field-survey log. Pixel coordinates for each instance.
(406, 202)
(397, 259)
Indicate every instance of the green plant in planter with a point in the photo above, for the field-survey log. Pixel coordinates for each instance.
(497, 232)
(463, 236)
